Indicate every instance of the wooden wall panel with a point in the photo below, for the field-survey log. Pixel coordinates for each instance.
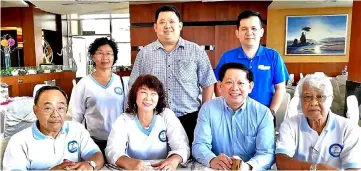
(145, 13)
(28, 37)
(225, 40)
(199, 11)
(331, 69)
(133, 56)
(354, 68)
(229, 11)
(11, 17)
(202, 35)
(212, 58)
(141, 36)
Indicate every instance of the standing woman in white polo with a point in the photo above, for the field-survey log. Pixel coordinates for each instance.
(100, 96)
(318, 139)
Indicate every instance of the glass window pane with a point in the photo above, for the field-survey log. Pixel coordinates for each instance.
(121, 30)
(123, 54)
(74, 27)
(125, 15)
(92, 16)
(99, 26)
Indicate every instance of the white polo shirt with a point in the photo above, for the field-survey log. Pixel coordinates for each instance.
(164, 137)
(30, 149)
(338, 145)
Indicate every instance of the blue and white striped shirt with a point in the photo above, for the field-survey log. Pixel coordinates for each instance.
(183, 72)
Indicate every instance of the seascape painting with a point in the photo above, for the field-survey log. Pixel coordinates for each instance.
(316, 35)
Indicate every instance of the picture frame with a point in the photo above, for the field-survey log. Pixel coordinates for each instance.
(316, 35)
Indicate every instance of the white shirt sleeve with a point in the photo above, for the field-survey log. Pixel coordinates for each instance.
(350, 154)
(78, 103)
(87, 145)
(286, 139)
(15, 157)
(177, 137)
(117, 140)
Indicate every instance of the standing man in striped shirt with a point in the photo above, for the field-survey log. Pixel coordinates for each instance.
(182, 66)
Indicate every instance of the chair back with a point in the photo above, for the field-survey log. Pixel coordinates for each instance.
(282, 110)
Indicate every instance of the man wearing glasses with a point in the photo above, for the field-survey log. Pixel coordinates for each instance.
(52, 143)
(318, 139)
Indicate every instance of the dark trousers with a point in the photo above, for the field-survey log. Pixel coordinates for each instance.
(189, 122)
(102, 144)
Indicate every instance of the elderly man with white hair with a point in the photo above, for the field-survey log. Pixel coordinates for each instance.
(318, 139)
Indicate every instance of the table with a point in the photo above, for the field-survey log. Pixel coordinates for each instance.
(192, 165)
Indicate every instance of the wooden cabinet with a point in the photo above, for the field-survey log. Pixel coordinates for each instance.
(24, 85)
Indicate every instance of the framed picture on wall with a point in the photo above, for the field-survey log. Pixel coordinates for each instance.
(316, 35)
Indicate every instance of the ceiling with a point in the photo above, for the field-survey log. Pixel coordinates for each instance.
(122, 6)
(13, 3)
(282, 4)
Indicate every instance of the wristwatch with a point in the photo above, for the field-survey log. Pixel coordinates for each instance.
(92, 164)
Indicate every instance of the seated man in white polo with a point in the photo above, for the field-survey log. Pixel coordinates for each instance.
(318, 139)
(52, 143)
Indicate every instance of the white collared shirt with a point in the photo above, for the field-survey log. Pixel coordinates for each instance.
(30, 149)
(338, 145)
(164, 137)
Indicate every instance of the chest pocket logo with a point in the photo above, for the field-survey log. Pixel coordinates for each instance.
(335, 150)
(73, 146)
(263, 67)
(162, 136)
(118, 90)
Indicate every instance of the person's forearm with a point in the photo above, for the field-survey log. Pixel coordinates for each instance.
(285, 162)
(98, 159)
(123, 162)
(207, 93)
(176, 157)
(277, 98)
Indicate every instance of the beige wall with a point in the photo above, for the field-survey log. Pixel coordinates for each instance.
(276, 32)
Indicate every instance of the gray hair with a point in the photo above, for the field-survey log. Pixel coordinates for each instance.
(317, 81)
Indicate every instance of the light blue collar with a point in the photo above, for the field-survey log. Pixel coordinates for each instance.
(330, 125)
(40, 136)
(149, 130)
(109, 83)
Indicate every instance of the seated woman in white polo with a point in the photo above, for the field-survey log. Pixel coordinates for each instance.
(52, 142)
(318, 139)
(148, 131)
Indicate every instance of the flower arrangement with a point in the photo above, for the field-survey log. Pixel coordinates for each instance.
(6, 43)
(4, 85)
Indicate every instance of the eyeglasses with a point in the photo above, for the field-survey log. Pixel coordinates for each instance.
(319, 98)
(61, 109)
(103, 55)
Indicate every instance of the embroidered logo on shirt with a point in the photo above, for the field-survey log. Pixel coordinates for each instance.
(335, 150)
(118, 90)
(162, 136)
(262, 67)
(73, 146)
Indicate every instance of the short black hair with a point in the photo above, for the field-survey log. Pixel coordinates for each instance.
(45, 88)
(93, 47)
(167, 8)
(242, 67)
(151, 82)
(247, 14)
